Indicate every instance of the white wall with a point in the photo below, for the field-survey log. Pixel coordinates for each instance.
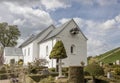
(80, 45)
(8, 58)
(28, 56)
(42, 51)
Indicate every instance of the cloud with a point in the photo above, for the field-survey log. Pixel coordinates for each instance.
(54, 4)
(27, 18)
(98, 2)
(64, 20)
(19, 21)
(107, 2)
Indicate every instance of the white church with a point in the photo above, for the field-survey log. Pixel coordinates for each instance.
(40, 45)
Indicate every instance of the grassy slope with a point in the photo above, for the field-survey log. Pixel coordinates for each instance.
(112, 58)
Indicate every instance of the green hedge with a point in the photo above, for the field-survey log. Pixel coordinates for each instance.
(37, 77)
(3, 76)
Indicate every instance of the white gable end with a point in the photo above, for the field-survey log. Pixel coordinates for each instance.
(78, 41)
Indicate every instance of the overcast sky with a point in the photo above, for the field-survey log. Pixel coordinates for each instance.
(98, 19)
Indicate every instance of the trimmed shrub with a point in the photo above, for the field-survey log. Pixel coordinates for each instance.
(3, 74)
(53, 74)
(37, 77)
(51, 69)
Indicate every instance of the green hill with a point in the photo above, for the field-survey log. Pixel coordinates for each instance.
(110, 56)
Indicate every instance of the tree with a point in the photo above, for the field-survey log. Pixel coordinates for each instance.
(94, 70)
(58, 52)
(8, 34)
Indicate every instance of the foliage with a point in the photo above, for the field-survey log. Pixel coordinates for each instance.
(2, 70)
(93, 60)
(37, 77)
(58, 51)
(37, 65)
(40, 62)
(53, 74)
(49, 79)
(52, 69)
(8, 34)
(117, 70)
(20, 62)
(94, 69)
(3, 73)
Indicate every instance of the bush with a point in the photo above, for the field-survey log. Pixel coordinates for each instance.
(86, 73)
(37, 77)
(94, 69)
(65, 69)
(20, 62)
(117, 71)
(33, 71)
(3, 74)
(51, 69)
(53, 74)
(50, 79)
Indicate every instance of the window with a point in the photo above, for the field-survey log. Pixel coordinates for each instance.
(25, 52)
(72, 49)
(28, 51)
(46, 50)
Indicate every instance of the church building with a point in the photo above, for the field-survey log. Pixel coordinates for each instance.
(40, 45)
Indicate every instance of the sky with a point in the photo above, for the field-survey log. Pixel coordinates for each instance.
(99, 20)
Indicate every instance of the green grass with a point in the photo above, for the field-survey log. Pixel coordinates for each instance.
(111, 58)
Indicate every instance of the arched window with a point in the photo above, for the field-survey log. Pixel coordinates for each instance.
(46, 50)
(72, 49)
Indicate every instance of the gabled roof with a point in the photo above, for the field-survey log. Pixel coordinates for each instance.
(12, 51)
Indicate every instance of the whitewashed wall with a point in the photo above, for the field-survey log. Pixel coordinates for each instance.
(80, 46)
(28, 56)
(42, 52)
(8, 58)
